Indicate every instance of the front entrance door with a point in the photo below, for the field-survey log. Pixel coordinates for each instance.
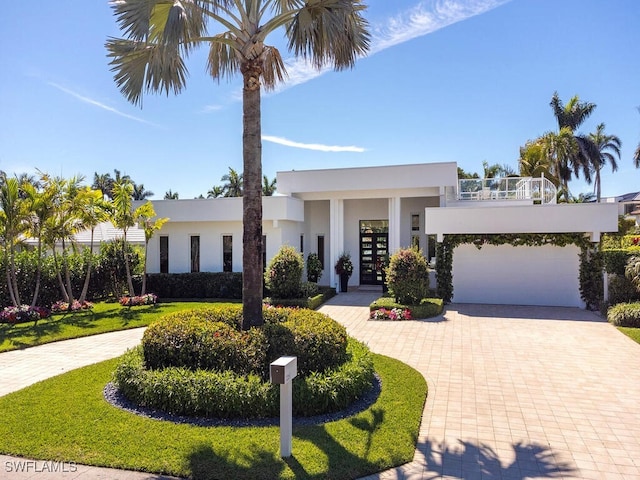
(373, 250)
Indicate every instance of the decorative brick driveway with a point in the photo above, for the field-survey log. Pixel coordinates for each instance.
(514, 392)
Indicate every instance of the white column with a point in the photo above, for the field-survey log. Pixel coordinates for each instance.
(394, 224)
(336, 244)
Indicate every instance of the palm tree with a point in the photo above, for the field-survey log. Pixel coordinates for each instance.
(124, 219)
(12, 224)
(268, 186)
(608, 147)
(532, 161)
(559, 148)
(139, 193)
(161, 33)
(571, 116)
(145, 214)
(215, 192)
(104, 183)
(169, 195)
(94, 211)
(234, 182)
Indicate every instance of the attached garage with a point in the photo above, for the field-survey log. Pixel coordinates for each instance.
(546, 275)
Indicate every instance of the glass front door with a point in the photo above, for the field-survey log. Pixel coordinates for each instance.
(374, 240)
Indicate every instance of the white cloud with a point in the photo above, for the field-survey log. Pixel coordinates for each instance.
(95, 103)
(311, 146)
(424, 18)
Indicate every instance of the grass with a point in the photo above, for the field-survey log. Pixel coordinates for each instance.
(104, 317)
(633, 333)
(82, 427)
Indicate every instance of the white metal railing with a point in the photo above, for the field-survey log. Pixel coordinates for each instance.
(539, 190)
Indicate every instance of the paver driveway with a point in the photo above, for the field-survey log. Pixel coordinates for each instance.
(514, 392)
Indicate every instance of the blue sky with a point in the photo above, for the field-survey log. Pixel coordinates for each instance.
(447, 80)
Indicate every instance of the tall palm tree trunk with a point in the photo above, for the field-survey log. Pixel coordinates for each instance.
(10, 287)
(143, 289)
(85, 286)
(252, 199)
(597, 185)
(67, 275)
(36, 290)
(65, 295)
(125, 252)
(13, 279)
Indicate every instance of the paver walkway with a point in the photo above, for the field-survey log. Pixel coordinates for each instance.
(514, 392)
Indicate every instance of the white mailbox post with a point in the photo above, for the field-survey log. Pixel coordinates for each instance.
(282, 371)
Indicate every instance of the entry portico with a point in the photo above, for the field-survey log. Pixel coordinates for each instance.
(349, 204)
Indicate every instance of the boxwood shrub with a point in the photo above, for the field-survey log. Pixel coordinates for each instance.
(213, 394)
(226, 285)
(622, 290)
(625, 315)
(210, 338)
(428, 307)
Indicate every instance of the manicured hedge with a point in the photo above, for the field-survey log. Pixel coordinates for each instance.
(226, 285)
(213, 394)
(625, 315)
(210, 338)
(429, 307)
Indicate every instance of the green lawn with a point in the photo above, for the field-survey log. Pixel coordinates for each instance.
(633, 333)
(66, 418)
(104, 317)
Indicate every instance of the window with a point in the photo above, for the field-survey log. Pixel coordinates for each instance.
(227, 253)
(195, 253)
(164, 254)
(321, 250)
(415, 222)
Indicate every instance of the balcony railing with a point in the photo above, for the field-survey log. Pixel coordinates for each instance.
(538, 190)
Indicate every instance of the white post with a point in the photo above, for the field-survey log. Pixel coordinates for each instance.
(286, 413)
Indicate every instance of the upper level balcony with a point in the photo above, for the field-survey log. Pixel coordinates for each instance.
(537, 190)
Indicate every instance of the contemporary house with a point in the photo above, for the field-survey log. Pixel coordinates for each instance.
(371, 212)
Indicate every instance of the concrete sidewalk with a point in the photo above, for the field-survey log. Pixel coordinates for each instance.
(514, 392)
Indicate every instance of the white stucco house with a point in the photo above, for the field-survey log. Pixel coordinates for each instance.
(372, 211)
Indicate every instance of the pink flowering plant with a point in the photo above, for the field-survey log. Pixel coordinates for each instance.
(391, 314)
(23, 313)
(146, 299)
(61, 306)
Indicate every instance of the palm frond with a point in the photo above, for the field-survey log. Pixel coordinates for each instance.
(222, 61)
(133, 16)
(140, 66)
(273, 69)
(330, 32)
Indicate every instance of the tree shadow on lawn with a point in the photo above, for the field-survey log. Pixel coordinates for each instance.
(207, 464)
(42, 328)
(471, 460)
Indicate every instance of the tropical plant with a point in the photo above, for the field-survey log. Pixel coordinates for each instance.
(145, 214)
(608, 148)
(12, 226)
(532, 161)
(579, 156)
(161, 34)
(559, 148)
(215, 192)
(344, 265)
(233, 185)
(169, 195)
(124, 218)
(408, 276)
(268, 186)
(283, 276)
(632, 271)
(314, 267)
(139, 192)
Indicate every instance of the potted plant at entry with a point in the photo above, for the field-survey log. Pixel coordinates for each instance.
(314, 268)
(344, 268)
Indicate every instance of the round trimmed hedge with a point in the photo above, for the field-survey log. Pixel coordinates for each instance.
(199, 362)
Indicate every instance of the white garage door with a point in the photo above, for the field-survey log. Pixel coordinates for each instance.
(505, 274)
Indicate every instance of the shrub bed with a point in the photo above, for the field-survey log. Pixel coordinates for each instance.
(199, 362)
(625, 315)
(428, 307)
(196, 285)
(226, 394)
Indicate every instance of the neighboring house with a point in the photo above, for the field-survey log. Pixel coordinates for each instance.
(104, 232)
(373, 211)
(628, 204)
